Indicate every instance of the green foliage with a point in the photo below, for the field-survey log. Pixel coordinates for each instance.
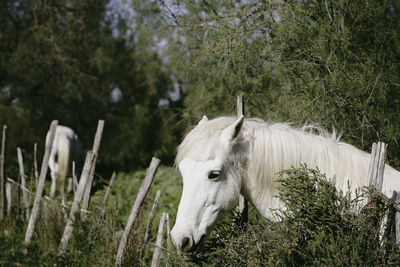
(333, 63)
(324, 226)
(127, 186)
(94, 242)
(319, 227)
(60, 60)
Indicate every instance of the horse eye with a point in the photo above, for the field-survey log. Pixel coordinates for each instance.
(214, 175)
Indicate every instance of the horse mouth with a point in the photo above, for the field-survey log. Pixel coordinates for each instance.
(195, 248)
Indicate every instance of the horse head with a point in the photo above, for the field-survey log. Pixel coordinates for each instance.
(211, 181)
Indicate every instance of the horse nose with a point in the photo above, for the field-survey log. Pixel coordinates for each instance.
(187, 244)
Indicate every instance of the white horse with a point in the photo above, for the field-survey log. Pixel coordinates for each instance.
(224, 157)
(65, 149)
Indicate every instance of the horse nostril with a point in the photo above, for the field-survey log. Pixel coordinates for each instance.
(186, 244)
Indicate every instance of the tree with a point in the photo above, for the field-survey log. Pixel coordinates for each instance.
(332, 63)
(61, 60)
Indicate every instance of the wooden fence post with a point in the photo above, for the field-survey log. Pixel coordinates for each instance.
(9, 198)
(239, 106)
(377, 165)
(35, 166)
(70, 185)
(44, 199)
(167, 225)
(86, 192)
(158, 249)
(397, 217)
(45, 212)
(136, 207)
(375, 174)
(106, 194)
(74, 179)
(39, 190)
(151, 218)
(95, 149)
(2, 176)
(243, 204)
(23, 182)
(90, 157)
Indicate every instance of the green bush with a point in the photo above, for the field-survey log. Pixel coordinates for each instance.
(319, 227)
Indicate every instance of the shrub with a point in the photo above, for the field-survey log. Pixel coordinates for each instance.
(320, 226)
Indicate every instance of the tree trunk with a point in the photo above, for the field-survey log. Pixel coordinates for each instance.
(23, 182)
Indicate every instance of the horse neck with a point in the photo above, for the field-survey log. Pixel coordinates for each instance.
(256, 171)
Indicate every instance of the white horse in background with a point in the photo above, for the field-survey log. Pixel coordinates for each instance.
(65, 149)
(224, 157)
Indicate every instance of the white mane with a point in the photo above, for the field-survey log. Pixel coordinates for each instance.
(268, 149)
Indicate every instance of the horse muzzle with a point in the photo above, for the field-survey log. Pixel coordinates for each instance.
(186, 243)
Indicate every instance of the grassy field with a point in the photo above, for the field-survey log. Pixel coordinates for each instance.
(94, 242)
(320, 227)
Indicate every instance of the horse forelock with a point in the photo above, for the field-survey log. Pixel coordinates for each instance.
(202, 142)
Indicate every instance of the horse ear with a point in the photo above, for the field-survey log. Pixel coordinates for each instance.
(203, 120)
(232, 131)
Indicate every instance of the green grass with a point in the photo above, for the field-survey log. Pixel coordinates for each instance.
(319, 227)
(94, 242)
(126, 187)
